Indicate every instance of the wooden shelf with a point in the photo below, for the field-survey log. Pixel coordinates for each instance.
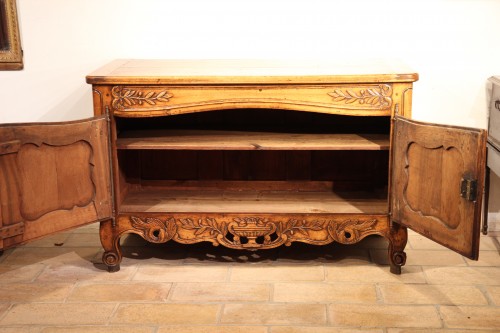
(251, 201)
(238, 140)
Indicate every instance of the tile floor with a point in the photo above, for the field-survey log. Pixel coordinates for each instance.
(59, 285)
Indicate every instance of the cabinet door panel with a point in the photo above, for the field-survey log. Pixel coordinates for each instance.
(437, 182)
(53, 176)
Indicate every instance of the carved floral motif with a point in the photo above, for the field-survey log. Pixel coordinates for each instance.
(124, 98)
(376, 96)
(351, 231)
(155, 230)
(252, 232)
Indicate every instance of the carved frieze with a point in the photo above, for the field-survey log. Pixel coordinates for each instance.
(158, 100)
(253, 232)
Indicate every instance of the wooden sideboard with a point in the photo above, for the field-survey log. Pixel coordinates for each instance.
(248, 155)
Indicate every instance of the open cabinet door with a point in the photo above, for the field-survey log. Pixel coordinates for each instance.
(437, 182)
(53, 177)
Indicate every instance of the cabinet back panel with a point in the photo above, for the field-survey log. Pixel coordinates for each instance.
(346, 169)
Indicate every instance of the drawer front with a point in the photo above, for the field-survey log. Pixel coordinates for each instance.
(143, 101)
(494, 159)
(494, 120)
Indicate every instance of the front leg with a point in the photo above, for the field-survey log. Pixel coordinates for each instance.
(110, 240)
(398, 236)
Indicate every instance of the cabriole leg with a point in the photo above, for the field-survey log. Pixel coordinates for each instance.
(398, 237)
(110, 241)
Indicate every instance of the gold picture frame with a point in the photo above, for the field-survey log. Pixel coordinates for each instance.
(11, 53)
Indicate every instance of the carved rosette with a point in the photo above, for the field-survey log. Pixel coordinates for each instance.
(372, 97)
(127, 98)
(253, 233)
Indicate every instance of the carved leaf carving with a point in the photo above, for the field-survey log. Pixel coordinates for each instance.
(300, 226)
(125, 97)
(378, 97)
(202, 225)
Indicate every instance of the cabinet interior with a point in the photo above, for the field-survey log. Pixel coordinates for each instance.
(253, 160)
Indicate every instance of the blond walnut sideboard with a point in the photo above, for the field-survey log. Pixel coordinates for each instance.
(245, 154)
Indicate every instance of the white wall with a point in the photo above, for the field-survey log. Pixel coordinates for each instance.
(452, 44)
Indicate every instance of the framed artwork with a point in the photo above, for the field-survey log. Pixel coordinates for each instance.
(11, 54)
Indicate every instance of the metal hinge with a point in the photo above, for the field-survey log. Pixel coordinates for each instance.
(468, 189)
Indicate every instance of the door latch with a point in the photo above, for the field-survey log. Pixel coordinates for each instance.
(468, 189)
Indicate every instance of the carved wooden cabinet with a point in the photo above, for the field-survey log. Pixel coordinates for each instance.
(247, 155)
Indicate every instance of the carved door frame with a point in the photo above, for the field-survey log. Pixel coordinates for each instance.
(53, 177)
(437, 182)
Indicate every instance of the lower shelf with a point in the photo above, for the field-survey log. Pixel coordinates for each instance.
(252, 201)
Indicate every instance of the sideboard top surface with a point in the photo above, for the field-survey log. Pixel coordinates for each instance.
(134, 71)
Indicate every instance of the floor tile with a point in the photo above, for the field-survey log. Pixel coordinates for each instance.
(479, 317)
(316, 329)
(358, 315)
(431, 294)
(299, 289)
(221, 292)
(20, 329)
(5, 254)
(213, 329)
(274, 314)
(83, 240)
(277, 273)
(373, 273)
(19, 273)
(494, 294)
(486, 258)
(422, 258)
(89, 228)
(419, 242)
(331, 253)
(58, 314)
(166, 314)
(463, 275)
(34, 292)
(177, 273)
(151, 254)
(324, 293)
(374, 242)
(51, 255)
(434, 330)
(83, 272)
(3, 308)
(120, 292)
(489, 244)
(98, 329)
(205, 252)
(56, 240)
